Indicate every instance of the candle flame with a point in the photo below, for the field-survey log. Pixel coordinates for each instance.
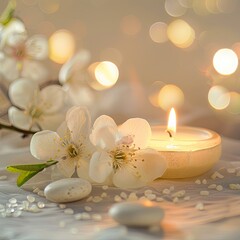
(172, 122)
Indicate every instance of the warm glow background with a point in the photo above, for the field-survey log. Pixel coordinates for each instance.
(166, 53)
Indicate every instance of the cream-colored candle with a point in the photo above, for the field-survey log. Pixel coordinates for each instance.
(189, 151)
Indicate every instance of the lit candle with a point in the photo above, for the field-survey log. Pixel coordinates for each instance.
(189, 151)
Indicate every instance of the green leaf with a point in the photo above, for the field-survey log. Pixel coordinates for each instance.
(26, 172)
(7, 14)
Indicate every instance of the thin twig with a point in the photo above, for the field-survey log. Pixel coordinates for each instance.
(16, 129)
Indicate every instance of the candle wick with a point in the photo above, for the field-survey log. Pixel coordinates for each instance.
(170, 134)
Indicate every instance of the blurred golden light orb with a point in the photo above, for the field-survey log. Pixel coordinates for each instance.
(225, 61)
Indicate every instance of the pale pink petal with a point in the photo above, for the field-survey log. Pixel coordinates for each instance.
(78, 121)
(19, 119)
(62, 130)
(67, 167)
(77, 62)
(46, 145)
(52, 98)
(104, 121)
(137, 128)
(100, 167)
(23, 93)
(37, 47)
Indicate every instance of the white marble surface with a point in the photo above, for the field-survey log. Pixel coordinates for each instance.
(219, 220)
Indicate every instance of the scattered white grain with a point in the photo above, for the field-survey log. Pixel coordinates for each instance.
(199, 206)
(219, 188)
(86, 216)
(151, 196)
(216, 175)
(143, 198)
(34, 208)
(96, 217)
(176, 200)
(171, 188)
(231, 170)
(41, 204)
(179, 194)
(159, 199)
(148, 191)
(89, 199)
(41, 193)
(204, 181)
(30, 198)
(12, 200)
(166, 191)
(117, 198)
(97, 199)
(88, 209)
(36, 190)
(204, 193)
(132, 197)
(62, 206)
(78, 216)
(104, 187)
(212, 186)
(123, 195)
(198, 181)
(104, 194)
(51, 205)
(68, 211)
(234, 186)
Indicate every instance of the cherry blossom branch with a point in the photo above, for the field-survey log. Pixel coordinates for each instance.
(16, 129)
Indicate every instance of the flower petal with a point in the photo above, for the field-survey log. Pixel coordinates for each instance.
(37, 47)
(78, 122)
(100, 167)
(22, 92)
(46, 145)
(34, 70)
(62, 130)
(150, 164)
(19, 119)
(77, 62)
(9, 68)
(141, 172)
(52, 98)
(139, 129)
(67, 167)
(83, 169)
(104, 133)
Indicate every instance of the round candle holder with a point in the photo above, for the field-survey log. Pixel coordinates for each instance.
(191, 152)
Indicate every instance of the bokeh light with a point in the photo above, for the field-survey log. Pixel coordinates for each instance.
(103, 75)
(180, 33)
(170, 96)
(218, 97)
(154, 91)
(158, 32)
(225, 61)
(61, 46)
(174, 8)
(186, 3)
(130, 25)
(234, 105)
(49, 6)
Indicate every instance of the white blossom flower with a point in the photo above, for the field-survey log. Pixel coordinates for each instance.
(20, 55)
(73, 77)
(70, 145)
(35, 108)
(121, 156)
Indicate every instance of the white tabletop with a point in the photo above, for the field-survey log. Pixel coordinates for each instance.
(220, 218)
